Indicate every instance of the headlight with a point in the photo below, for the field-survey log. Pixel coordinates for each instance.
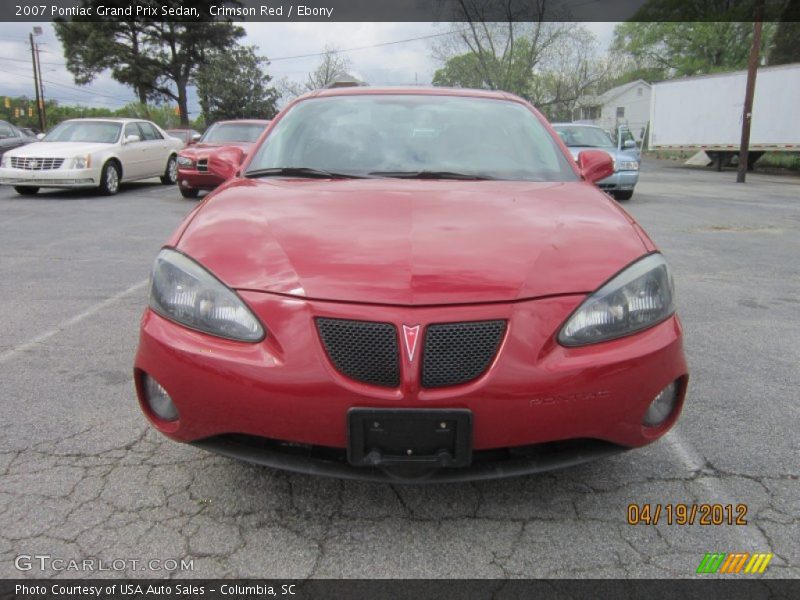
(82, 162)
(6, 161)
(639, 297)
(628, 165)
(185, 161)
(186, 293)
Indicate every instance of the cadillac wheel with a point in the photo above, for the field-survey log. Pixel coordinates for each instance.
(170, 175)
(109, 179)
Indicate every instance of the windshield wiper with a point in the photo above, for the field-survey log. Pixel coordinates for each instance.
(301, 172)
(431, 175)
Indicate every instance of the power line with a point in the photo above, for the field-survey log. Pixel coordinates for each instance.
(68, 87)
(414, 39)
(54, 64)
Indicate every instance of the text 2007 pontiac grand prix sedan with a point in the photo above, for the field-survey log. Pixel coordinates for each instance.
(413, 285)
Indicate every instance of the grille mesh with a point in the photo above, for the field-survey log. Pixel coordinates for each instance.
(456, 353)
(362, 350)
(36, 164)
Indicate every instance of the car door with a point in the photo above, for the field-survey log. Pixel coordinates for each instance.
(157, 149)
(133, 154)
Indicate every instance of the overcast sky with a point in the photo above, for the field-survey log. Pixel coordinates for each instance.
(394, 64)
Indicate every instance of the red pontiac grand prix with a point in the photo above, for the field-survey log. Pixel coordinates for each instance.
(412, 285)
(229, 141)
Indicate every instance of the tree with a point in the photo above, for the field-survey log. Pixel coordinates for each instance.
(159, 59)
(332, 67)
(91, 48)
(550, 64)
(567, 72)
(786, 42)
(678, 49)
(248, 95)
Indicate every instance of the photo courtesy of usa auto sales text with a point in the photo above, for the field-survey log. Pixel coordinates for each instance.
(133, 589)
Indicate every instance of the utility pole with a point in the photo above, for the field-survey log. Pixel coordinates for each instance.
(36, 83)
(747, 112)
(43, 110)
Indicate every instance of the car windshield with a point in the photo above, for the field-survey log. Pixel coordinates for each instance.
(233, 132)
(408, 135)
(104, 132)
(587, 137)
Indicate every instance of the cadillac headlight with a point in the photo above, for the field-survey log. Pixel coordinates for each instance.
(6, 163)
(628, 165)
(82, 162)
(185, 161)
(186, 293)
(639, 297)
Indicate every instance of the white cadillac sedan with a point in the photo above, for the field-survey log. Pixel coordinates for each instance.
(97, 153)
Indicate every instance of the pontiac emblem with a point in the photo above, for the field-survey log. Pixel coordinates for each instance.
(410, 337)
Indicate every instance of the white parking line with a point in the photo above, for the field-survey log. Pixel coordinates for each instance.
(24, 347)
(749, 535)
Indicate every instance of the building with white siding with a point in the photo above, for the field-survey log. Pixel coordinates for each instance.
(627, 104)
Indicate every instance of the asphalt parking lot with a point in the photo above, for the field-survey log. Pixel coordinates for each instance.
(83, 475)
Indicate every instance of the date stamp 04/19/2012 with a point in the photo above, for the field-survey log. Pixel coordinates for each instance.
(687, 514)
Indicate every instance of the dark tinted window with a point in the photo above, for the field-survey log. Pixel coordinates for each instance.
(149, 132)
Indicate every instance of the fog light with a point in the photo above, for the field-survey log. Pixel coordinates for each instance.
(662, 405)
(158, 399)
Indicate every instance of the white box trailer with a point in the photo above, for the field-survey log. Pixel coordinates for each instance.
(705, 113)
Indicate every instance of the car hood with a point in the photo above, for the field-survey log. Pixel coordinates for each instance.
(411, 242)
(203, 148)
(58, 149)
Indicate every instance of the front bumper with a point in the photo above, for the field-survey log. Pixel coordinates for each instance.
(60, 178)
(620, 180)
(285, 392)
(198, 180)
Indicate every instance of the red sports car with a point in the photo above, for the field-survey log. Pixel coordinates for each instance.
(229, 141)
(412, 285)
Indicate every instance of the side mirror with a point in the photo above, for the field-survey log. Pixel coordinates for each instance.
(595, 165)
(196, 137)
(130, 139)
(39, 136)
(629, 144)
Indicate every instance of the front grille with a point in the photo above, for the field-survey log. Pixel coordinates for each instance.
(202, 165)
(456, 353)
(35, 164)
(362, 350)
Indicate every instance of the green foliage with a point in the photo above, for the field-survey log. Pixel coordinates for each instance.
(163, 115)
(460, 71)
(247, 95)
(786, 43)
(676, 49)
(159, 59)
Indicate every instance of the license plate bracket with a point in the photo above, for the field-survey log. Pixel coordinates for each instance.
(385, 437)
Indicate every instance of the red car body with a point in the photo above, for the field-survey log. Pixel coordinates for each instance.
(411, 254)
(197, 176)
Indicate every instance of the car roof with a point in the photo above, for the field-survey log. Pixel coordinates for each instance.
(576, 125)
(413, 90)
(256, 121)
(110, 119)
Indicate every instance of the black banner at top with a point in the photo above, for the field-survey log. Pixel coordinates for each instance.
(397, 10)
